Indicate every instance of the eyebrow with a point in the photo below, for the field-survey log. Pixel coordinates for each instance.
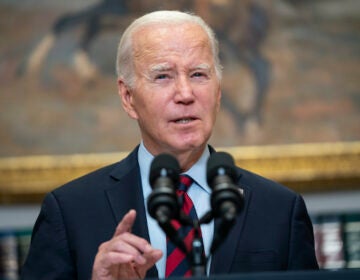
(160, 67)
(166, 67)
(202, 66)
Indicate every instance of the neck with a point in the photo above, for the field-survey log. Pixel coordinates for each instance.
(185, 158)
(189, 158)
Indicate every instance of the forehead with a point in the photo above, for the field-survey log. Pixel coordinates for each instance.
(184, 40)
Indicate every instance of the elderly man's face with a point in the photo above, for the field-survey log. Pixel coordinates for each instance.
(177, 93)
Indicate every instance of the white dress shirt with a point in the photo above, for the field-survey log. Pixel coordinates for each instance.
(199, 193)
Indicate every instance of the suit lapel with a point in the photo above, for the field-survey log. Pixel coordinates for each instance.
(127, 194)
(222, 259)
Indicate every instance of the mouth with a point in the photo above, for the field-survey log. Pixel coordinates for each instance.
(184, 120)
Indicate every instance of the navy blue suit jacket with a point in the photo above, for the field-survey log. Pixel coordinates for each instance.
(272, 232)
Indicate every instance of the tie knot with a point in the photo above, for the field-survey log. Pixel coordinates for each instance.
(185, 182)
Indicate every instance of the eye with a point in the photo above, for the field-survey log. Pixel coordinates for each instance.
(198, 74)
(161, 76)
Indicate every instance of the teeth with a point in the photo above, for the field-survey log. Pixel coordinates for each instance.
(183, 121)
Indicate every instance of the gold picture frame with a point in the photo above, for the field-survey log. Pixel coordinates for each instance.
(310, 167)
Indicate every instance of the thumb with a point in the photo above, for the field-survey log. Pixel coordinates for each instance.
(126, 223)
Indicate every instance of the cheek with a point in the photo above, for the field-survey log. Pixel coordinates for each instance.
(150, 110)
(218, 101)
(211, 104)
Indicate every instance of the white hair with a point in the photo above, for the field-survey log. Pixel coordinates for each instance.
(124, 60)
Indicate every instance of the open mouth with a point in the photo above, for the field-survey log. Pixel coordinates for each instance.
(184, 120)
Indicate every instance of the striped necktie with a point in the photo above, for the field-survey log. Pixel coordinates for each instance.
(176, 262)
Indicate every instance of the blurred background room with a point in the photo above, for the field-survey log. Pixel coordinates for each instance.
(290, 107)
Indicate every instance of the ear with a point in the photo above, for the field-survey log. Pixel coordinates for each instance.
(127, 99)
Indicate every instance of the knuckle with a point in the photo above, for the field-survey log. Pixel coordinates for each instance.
(125, 235)
(143, 242)
(103, 246)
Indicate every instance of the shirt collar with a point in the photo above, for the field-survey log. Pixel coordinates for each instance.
(197, 171)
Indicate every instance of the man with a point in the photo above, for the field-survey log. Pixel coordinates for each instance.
(98, 226)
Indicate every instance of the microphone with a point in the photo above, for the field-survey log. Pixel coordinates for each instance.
(164, 177)
(226, 197)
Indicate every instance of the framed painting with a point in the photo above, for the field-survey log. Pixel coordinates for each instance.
(290, 78)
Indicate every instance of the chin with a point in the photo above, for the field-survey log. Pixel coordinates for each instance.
(190, 144)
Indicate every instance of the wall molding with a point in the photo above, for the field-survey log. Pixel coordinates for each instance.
(310, 167)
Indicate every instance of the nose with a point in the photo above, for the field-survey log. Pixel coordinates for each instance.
(183, 91)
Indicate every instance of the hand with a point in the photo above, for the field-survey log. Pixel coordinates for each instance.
(125, 255)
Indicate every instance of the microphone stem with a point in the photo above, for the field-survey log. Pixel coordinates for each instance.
(173, 235)
(198, 259)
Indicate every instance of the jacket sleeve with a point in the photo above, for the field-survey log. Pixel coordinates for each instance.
(301, 247)
(49, 255)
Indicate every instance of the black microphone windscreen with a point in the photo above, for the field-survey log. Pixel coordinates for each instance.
(164, 165)
(220, 162)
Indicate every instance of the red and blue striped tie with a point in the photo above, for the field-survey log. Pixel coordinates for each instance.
(176, 262)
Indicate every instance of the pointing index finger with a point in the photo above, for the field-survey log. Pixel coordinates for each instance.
(126, 223)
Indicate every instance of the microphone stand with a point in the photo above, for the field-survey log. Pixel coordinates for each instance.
(196, 256)
(165, 224)
(199, 259)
